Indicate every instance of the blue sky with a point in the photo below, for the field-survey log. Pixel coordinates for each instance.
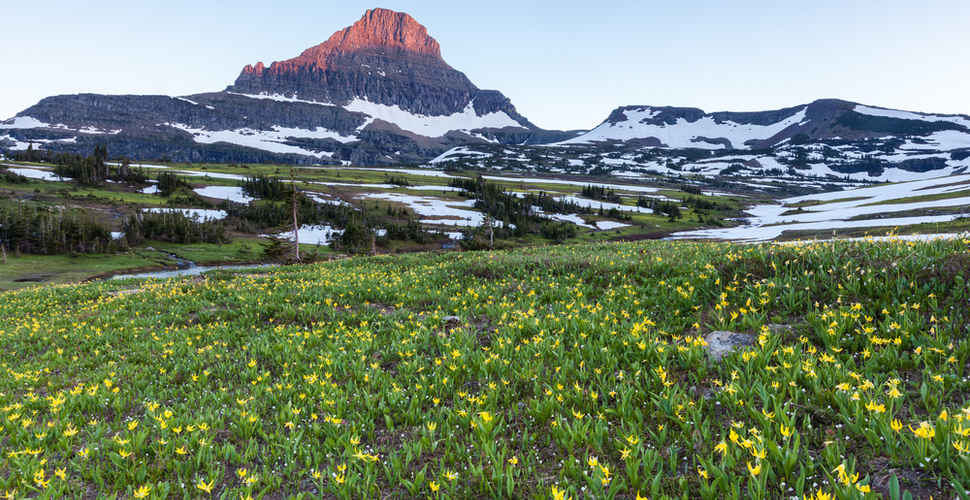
(564, 65)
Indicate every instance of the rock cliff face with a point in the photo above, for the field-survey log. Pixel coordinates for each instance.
(377, 92)
(386, 58)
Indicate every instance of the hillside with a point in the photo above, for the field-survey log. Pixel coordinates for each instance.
(242, 209)
(826, 119)
(825, 141)
(555, 372)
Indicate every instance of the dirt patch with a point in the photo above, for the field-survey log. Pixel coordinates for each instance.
(756, 266)
(945, 270)
(920, 485)
(34, 278)
(384, 310)
(656, 235)
(962, 183)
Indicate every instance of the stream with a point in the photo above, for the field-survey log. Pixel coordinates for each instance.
(185, 268)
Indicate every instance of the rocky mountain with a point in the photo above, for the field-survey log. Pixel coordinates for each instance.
(827, 119)
(387, 57)
(826, 141)
(377, 92)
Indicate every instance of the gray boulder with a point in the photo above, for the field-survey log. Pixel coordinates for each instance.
(722, 343)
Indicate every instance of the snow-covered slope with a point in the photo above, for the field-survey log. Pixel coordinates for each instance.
(704, 133)
(908, 115)
(434, 126)
(939, 199)
(822, 120)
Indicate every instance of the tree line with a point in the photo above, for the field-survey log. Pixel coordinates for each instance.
(670, 208)
(359, 225)
(517, 216)
(38, 229)
(94, 169)
(600, 193)
(174, 227)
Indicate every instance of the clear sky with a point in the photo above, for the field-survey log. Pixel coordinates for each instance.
(564, 64)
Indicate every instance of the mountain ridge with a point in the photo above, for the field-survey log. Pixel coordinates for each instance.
(375, 93)
(379, 93)
(822, 119)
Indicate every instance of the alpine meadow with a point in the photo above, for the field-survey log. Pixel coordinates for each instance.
(352, 273)
(573, 371)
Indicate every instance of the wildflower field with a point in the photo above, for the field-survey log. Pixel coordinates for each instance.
(551, 373)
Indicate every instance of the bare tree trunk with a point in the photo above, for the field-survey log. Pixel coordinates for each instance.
(296, 223)
(373, 243)
(489, 223)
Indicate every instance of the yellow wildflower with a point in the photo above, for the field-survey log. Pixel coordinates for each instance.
(206, 487)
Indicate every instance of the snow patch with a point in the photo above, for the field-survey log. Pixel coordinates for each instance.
(325, 199)
(17, 145)
(231, 193)
(907, 115)
(436, 210)
(213, 175)
(605, 225)
(683, 134)
(33, 173)
(281, 98)
(570, 218)
(770, 221)
(23, 122)
(535, 180)
(313, 235)
(201, 213)
(455, 153)
(266, 140)
(433, 126)
(944, 140)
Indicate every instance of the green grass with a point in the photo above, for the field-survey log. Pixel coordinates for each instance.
(955, 226)
(26, 271)
(34, 270)
(920, 199)
(815, 203)
(573, 371)
(243, 249)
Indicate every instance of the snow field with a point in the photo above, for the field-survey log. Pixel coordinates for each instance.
(768, 222)
(683, 134)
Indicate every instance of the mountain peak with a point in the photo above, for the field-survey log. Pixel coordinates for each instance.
(380, 32)
(385, 58)
(385, 29)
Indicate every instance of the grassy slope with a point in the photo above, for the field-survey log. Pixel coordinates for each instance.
(29, 270)
(112, 200)
(26, 271)
(572, 368)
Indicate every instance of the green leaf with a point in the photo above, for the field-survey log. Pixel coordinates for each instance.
(961, 491)
(894, 487)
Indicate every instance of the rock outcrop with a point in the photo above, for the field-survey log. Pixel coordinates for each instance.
(722, 343)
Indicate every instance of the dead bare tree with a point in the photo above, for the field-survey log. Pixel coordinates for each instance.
(296, 220)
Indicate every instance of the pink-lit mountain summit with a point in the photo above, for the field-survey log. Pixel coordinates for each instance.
(386, 58)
